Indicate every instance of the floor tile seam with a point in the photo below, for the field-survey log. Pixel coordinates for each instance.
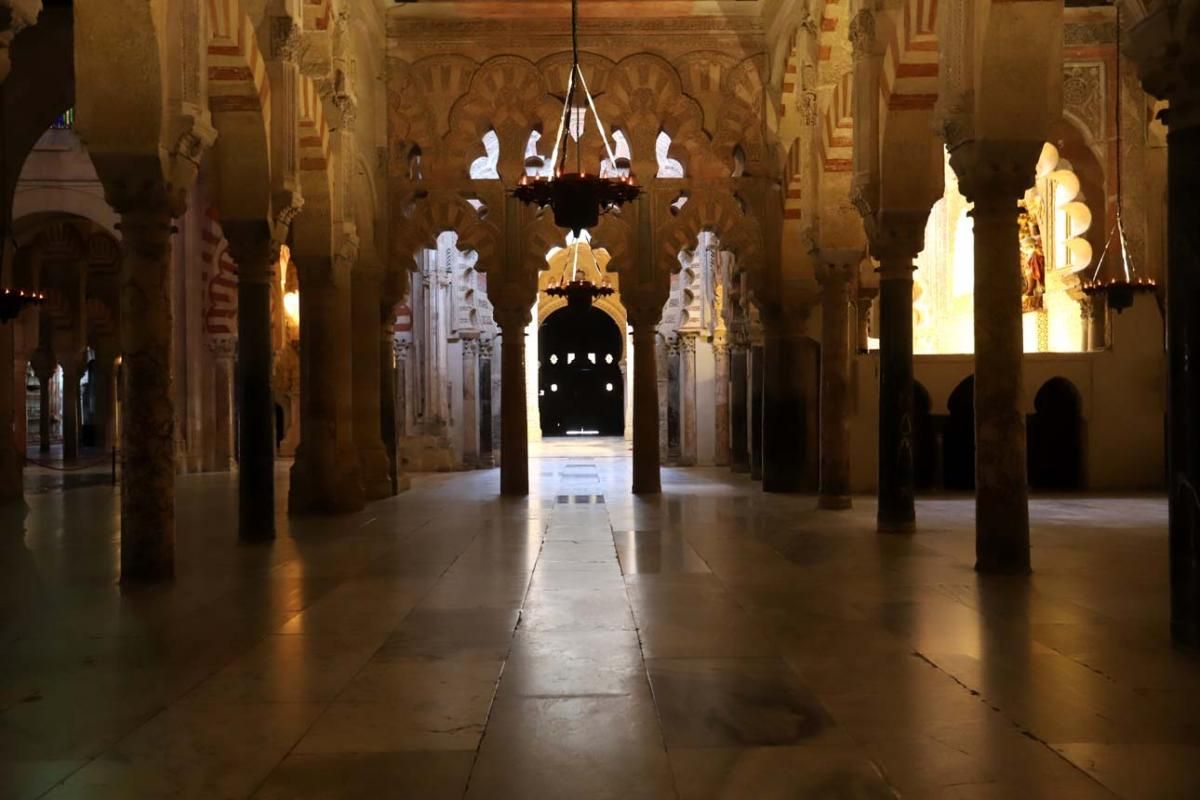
(487, 720)
(637, 627)
(1022, 729)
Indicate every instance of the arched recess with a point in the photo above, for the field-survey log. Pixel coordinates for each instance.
(719, 212)
(958, 443)
(239, 99)
(312, 236)
(1056, 437)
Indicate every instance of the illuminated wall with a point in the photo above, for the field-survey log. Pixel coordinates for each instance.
(1053, 251)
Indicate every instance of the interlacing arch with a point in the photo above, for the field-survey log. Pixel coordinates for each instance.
(449, 211)
(719, 212)
(837, 127)
(237, 73)
(910, 64)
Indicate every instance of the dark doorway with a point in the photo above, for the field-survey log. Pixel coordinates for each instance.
(580, 385)
(958, 446)
(1056, 438)
(925, 455)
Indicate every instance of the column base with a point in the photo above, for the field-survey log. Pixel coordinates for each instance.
(375, 469)
(325, 489)
(741, 469)
(904, 526)
(834, 502)
(1003, 567)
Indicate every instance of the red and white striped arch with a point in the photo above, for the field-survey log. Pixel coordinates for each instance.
(837, 127)
(314, 130)
(219, 274)
(791, 76)
(910, 64)
(793, 173)
(237, 73)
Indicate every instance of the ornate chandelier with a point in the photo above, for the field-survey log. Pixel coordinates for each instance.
(580, 292)
(14, 301)
(577, 198)
(1121, 282)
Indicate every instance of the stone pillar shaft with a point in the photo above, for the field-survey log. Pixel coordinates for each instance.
(835, 387)
(366, 287)
(71, 407)
(470, 420)
(646, 477)
(12, 459)
(739, 408)
(756, 378)
(789, 403)
(897, 503)
(1183, 409)
(226, 399)
(254, 253)
(1001, 494)
(514, 427)
(687, 400)
(325, 477)
(148, 420)
(721, 454)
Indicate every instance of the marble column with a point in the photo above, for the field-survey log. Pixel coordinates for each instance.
(44, 367)
(755, 417)
(687, 399)
(1183, 345)
(900, 237)
(374, 469)
(325, 477)
(646, 465)
(224, 350)
(674, 402)
(497, 391)
(994, 176)
(721, 453)
(835, 274)
(514, 424)
(470, 419)
(739, 408)
(389, 416)
(788, 446)
(256, 256)
(148, 414)
(12, 459)
(486, 459)
(70, 416)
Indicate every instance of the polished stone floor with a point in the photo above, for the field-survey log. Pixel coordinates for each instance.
(713, 643)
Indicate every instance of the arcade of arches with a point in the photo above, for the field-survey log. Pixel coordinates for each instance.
(855, 485)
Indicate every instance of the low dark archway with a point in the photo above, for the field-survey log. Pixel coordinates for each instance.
(1055, 432)
(925, 455)
(958, 445)
(580, 385)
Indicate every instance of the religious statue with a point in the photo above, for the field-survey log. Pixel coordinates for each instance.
(1033, 258)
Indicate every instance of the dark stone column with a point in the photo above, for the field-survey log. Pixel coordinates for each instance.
(148, 410)
(789, 410)
(389, 419)
(486, 457)
(254, 252)
(44, 365)
(739, 408)
(756, 376)
(899, 238)
(365, 292)
(994, 176)
(835, 274)
(325, 478)
(514, 426)
(71, 407)
(12, 459)
(1183, 352)
(646, 467)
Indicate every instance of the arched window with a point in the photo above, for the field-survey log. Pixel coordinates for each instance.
(485, 167)
(667, 166)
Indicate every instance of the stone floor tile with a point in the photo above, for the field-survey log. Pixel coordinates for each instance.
(370, 776)
(778, 773)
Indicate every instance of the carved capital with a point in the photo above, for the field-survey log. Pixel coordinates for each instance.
(1162, 42)
(899, 235)
(995, 174)
(862, 34)
(223, 348)
(254, 249)
(196, 137)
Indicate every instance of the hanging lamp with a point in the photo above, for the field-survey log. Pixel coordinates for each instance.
(577, 198)
(580, 292)
(1118, 281)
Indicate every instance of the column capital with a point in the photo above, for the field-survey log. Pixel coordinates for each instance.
(720, 343)
(15, 16)
(224, 348)
(995, 174)
(686, 341)
(509, 317)
(1161, 41)
(898, 235)
(836, 267)
(253, 248)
